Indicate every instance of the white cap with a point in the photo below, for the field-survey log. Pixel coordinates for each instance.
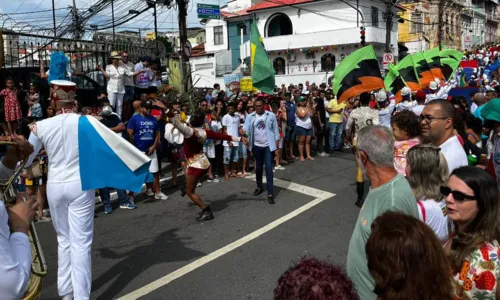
(438, 81)
(433, 85)
(106, 111)
(405, 91)
(381, 96)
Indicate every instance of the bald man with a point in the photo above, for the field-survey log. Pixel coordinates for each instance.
(137, 107)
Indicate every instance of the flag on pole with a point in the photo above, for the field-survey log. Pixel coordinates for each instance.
(434, 61)
(357, 73)
(262, 68)
(450, 61)
(401, 75)
(422, 70)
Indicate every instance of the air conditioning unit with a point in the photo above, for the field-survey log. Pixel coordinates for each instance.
(290, 57)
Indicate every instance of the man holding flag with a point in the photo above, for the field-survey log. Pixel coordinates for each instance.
(262, 68)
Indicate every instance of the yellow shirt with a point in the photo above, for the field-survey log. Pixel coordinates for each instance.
(338, 117)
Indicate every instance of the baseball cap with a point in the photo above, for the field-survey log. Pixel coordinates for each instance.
(381, 96)
(420, 95)
(147, 104)
(301, 98)
(433, 85)
(406, 91)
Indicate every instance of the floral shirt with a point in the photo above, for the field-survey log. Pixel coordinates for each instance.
(479, 274)
(400, 150)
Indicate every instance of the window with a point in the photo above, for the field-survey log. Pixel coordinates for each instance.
(218, 35)
(279, 24)
(374, 16)
(279, 65)
(416, 25)
(327, 62)
(242, 27)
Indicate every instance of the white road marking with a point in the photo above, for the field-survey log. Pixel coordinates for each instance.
(319, 195)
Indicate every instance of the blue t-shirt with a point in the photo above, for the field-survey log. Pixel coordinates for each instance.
(145, 129)
(291, 108)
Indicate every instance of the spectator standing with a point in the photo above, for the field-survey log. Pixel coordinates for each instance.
(128, 82)
(12, 108)
(115, 73)
(113, 122)
(231, 125)
(261, 128)
(427, 171)
(335, 124)
(388, 191)
(437, 128)
(143, 77)
(358, 119)
(291, 107)
(320, 123)
(303, 127)
(491, 115)
(144, 133)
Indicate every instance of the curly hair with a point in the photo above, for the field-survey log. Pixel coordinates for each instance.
(407, 121)
(406, 260)
(311, 279)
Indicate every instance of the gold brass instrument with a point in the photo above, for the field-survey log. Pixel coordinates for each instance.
(38, 266)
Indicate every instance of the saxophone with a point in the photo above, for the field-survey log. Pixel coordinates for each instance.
(38, 266)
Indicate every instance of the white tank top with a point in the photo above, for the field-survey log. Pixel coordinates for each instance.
(305, 122)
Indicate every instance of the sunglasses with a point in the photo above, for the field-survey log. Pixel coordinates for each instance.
(459, 196)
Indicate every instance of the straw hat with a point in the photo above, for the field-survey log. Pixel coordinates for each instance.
(115, 54)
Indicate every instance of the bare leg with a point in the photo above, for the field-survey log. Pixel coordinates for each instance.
(290, 150)
(174, 172)
(191, 182)
(302, 140)
(308, 147)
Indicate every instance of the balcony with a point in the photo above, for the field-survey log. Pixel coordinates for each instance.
(326, 38)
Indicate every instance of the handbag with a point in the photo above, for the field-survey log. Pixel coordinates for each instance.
(35, 170)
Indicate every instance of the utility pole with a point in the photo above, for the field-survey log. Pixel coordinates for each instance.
(76, 33)
(54, 17)
(185, 67)
(441, 5)
(156, 29)
(388, 26)
(113, 18)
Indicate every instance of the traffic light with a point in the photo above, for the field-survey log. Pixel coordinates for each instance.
(363, 38)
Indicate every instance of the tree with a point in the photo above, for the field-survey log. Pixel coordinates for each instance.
(168, 45)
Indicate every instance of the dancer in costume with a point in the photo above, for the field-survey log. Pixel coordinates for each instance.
(74, 175)
(197, 162)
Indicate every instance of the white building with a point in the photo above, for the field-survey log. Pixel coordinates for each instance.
(305, 39)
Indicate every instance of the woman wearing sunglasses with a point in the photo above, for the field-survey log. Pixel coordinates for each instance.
(472, 202)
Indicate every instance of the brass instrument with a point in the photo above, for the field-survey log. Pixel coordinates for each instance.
(38, 266)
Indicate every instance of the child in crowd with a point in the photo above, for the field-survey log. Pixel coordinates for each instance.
(406, 129)
(33, 99)
(12, 108)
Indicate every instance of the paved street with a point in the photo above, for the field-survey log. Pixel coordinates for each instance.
(159, 251)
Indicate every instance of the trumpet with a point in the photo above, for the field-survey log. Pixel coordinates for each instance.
(38, 266)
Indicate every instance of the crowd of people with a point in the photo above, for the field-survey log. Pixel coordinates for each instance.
(428, 228)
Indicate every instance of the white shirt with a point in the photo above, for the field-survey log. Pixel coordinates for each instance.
(385, 114)
(435, 217)
(327, 115)
(406, 105)
(15, 254)
(142, 80)
(418, 109)
(454, 153)
(116, 77)
(232, 124)
(259, 132)
(216, 127)
(305, 122)
(59, 135)
(473, 107)
(128, 80)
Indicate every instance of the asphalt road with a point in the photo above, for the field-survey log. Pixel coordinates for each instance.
(132, 249)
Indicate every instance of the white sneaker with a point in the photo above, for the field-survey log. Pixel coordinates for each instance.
(199, 184)
(280, 167)
(150, 192)
(161, 196)
(68, 297)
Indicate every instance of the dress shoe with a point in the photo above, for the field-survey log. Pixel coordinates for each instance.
(257, 191)
(270, 199)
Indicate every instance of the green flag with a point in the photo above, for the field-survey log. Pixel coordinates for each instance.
(262, 68)
(450, 61)
(357, 73)
(434, 62)
(422, 70)
(403, 74)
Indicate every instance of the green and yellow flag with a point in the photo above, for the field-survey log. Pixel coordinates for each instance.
(262, 68)
(450, 61)
(357, 73)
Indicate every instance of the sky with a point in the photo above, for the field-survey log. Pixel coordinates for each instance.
(167, 19)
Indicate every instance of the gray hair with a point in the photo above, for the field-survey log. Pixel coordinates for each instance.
(378, 144)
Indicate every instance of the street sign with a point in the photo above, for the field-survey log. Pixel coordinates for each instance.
(188, 48)
(388, 59)
(208, 11)
(468, 42)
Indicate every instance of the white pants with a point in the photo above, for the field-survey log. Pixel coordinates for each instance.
(72, 212)
(116, 100)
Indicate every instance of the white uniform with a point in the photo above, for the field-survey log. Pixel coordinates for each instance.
(72, 210)
(360, 118)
